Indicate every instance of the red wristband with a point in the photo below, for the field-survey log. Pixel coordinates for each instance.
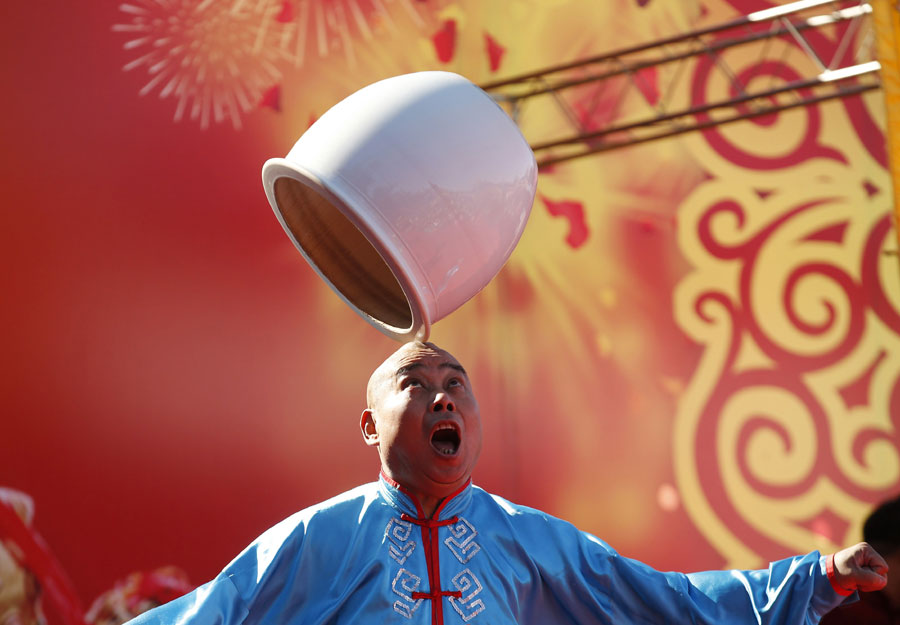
(829, 570)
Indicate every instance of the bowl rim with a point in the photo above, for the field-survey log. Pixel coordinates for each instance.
(420, 328)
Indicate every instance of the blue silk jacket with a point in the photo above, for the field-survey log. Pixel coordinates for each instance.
(369, 556)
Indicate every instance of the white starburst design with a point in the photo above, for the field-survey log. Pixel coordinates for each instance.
(215, 57)
(328, 25)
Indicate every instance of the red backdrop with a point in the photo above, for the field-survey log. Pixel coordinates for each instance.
(664, 361)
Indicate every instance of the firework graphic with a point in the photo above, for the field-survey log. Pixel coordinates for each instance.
(215, 58)
(323, 26)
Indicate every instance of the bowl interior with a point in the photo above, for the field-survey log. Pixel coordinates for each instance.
(342, 254)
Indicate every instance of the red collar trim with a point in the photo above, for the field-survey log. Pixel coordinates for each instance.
(419, 512)
(450, 497)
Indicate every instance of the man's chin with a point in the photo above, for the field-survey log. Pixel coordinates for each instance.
(452, 473)
(450, 480)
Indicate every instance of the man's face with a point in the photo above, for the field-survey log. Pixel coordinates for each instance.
(424, 420)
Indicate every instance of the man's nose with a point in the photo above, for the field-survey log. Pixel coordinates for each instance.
(442, 402)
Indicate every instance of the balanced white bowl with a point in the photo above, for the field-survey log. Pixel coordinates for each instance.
(407, 197)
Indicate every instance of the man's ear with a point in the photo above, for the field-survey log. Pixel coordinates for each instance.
(367, 425)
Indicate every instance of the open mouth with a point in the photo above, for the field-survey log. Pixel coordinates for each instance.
(445, 439)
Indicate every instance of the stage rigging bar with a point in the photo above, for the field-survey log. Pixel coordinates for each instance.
(659, 111)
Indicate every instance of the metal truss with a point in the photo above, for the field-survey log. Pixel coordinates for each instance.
(643, 93)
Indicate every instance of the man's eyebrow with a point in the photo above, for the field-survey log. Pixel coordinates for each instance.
(418, 365)
(453, 365)
(407, 368)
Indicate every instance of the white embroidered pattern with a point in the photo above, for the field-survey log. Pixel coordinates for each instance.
(404, 585)
(462, 540)
(398, 532)
(467, 606)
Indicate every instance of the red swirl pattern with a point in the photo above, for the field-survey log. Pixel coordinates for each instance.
(827, 46)
(749, 156)
(790, 369)
(790, 422)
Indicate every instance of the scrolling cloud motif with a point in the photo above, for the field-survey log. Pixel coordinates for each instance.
(462, 540)
(467, 606)
(404, 585)
(398, 532)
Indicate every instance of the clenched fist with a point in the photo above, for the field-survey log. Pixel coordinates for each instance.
(860, 568)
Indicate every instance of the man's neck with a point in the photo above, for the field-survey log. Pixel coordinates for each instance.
(429, 505)
(426, 503)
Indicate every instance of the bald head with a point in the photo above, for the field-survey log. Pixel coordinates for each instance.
(401, 361)
(423, 419)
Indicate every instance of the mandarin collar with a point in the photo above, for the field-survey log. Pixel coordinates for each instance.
(401, 499)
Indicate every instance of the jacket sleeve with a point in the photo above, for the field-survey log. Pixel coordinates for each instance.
(227, 599)
(214, 603)
(594, 584)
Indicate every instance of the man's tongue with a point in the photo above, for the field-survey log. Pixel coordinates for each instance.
(445, 442)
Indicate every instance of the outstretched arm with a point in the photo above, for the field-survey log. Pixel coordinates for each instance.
(592, 583)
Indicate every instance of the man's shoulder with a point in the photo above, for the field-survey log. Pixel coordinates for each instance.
(354, 499)
(511, 509)
(349, 504)
(532, 526)
(528, 517)
(325, 524)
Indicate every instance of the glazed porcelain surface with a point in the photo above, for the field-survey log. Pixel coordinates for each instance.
(432, 172)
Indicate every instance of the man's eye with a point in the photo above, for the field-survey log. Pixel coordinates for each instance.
(411, 382)
(454, 382)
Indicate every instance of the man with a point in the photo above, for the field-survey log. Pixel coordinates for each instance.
(882, 531)
(423, 545)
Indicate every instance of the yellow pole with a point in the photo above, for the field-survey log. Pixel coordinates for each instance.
(886, 15)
